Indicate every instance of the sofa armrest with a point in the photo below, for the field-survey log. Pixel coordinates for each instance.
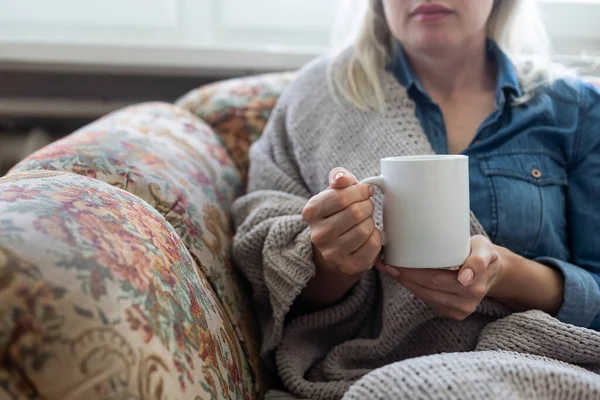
(172, 160)
(143, 146)
(100, 299)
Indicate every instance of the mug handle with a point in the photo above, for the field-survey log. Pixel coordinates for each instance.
(375, 181)
(378, 182)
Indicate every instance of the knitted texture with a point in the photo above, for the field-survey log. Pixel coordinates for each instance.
(381, 341)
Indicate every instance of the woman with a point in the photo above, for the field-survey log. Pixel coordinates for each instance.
(443, 76)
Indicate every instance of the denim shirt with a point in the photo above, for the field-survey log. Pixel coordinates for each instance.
(534, 176)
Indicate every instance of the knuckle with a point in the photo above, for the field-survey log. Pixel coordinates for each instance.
(363, 210)
(366, 229)
(357, 212)
(435, 281)
(318, 237)
(466, 309)
(308, 212)
(480, 239)
(341, 199)
(371, 242)
(313, 207)
(345, 269)
(479, 261)
(478, 291)
(330, 255)
(349, 268)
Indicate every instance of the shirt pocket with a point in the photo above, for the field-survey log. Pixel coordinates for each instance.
(527, 193)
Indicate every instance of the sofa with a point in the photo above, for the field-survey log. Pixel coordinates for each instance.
(116, 279)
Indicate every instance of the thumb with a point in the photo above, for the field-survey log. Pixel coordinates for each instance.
(340, 178)
(482, 255)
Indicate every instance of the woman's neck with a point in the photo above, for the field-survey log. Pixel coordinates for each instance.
(453, 72)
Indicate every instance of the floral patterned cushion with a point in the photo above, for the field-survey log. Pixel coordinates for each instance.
(166, 156)
(100, 299)
(238, 110)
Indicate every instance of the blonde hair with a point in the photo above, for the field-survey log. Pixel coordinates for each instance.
(515, 25)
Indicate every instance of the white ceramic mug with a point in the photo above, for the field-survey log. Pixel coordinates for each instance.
(425, 210)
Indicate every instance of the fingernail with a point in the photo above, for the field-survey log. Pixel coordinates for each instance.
(339, 175)
(371, 190)
(466, 276)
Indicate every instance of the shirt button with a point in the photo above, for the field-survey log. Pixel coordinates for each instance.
(536, 173)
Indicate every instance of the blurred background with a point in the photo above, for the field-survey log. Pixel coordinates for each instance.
(64, 63)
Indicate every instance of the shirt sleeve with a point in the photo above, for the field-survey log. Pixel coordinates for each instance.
(581, 304)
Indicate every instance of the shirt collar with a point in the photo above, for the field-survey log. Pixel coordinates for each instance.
(404, 72)
(507, 82)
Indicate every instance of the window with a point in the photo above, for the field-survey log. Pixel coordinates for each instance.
(249, 34)
(573, 25)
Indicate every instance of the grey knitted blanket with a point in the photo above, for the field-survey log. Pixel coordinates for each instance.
(380, 342)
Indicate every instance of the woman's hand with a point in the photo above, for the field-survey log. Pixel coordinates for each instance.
(450, 293)
(342, 227)
(345, 240)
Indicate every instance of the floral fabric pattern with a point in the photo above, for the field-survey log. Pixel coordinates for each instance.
(238, 110)
(168, 157)
(95, 282)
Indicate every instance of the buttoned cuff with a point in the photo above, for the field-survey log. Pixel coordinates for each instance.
(581, 305)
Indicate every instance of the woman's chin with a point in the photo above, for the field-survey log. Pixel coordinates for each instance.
(434, 44)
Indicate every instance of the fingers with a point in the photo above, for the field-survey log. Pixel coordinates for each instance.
(344, 190)
(341, 223)
(439, 280)
(357, 235)
(482, 255)
(358, 261)
(337, 244)
(451, 294)
(387, 269)
(431, 296)
(326, 231)
(331, 201)
(366, 255)
(443, 303)
(345, 220)
(340, 178)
